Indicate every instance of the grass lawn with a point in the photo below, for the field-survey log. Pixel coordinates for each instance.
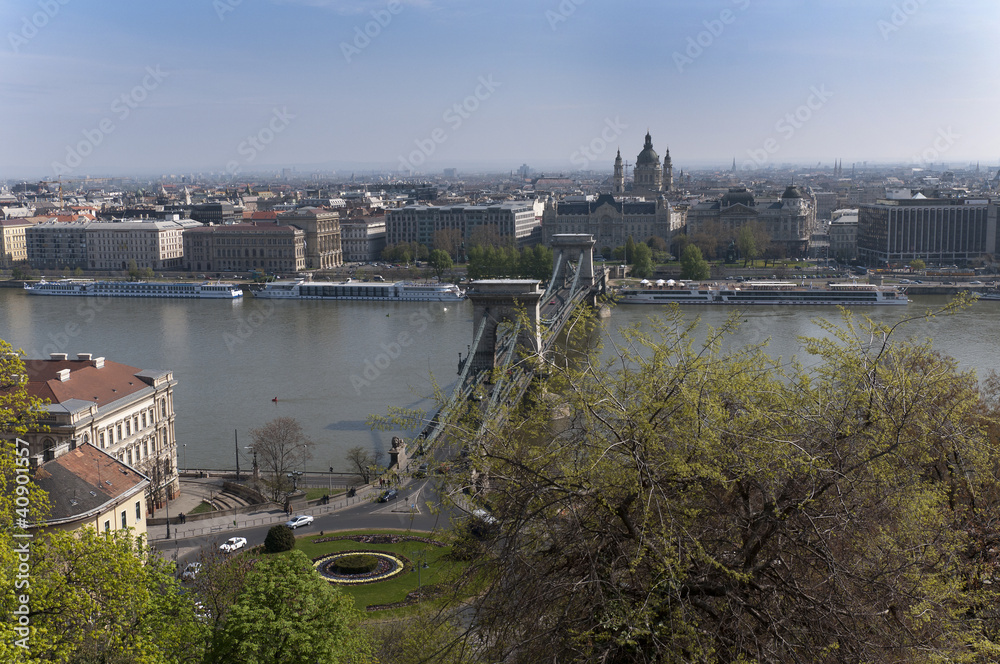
(439, 568)
(203, 507)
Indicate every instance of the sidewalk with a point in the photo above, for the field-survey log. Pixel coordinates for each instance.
(193, 491)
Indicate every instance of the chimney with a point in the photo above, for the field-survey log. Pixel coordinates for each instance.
(98, 362)
(84, 356)
(58, 356)
(63, 375)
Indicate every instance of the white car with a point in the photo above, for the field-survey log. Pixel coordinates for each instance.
(233, 544)
(301, 520)
(191, 572)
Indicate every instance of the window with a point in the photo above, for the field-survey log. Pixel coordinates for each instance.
(119, 427)
(143, 419)
(102, 440)
(124, 519)
(138, 511)
(107, 526)
(163, 407)
(128, 427)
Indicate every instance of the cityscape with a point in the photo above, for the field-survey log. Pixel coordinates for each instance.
(242, 244)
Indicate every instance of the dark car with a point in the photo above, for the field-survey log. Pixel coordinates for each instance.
(387, 495)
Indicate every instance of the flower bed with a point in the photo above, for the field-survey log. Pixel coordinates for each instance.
(384, 538)
(388, 565)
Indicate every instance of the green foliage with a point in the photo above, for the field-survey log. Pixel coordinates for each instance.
(279, 538)
(642, 263)
(487, 262)
(918, 264)
(356, 564)
(706, 503)
(693, 266)
(133, 269)
(440, 261)
(288, 613)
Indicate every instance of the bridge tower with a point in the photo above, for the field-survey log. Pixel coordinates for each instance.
(577, 247)
(497, 301)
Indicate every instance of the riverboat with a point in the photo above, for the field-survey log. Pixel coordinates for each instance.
(763, 292)
(399, 291)
(84, 287)
(988, 295)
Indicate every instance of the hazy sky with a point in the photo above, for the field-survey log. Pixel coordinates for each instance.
(242, 85)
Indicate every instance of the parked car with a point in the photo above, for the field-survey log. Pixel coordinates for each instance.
(387, 495)
(233, 544)
(422, 470)
(301, 520)
(190, 572)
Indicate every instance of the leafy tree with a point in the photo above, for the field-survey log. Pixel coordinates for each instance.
(917, 264)
(487, 236)
(535, 262)
(288, 613)
(78, 272)
(279, 538)
(440, 261)
(107, 598)
(702, 502)
(133, 269)
(642, 263)
(657, 243)
(450, 241)
(693, 266)
(746, 244)
(630, 251)
(281, 446)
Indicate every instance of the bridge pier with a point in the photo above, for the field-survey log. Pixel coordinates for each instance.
(498, 301)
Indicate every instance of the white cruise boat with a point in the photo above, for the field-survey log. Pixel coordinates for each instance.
(400, 291)
(764, 292)
(207, 289)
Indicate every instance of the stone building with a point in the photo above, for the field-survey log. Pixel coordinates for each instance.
(362, 238)
(322, 236)
(610, 221)
(13, 243)
(418, 223)
(266, 247)
(158, 245)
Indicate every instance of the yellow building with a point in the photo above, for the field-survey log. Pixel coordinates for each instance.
(13, 245)
(88, 487)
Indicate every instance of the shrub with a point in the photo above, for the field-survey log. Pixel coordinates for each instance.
(359, 564)
(279, 538)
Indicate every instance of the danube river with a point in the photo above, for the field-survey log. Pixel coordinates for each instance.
(330, 364)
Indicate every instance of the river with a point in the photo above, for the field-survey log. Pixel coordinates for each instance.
(330, 364)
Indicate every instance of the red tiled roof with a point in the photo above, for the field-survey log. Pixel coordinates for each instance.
(86, 382)
(84, 479)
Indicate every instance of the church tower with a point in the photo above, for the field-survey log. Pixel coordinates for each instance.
(618, 186)
(668, 173)
(647, 176)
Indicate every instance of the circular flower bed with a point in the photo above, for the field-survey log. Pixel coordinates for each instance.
(388, 565)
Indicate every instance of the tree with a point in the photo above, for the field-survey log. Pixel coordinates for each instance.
(642, 263)
(362, 462)
(107, 598)
(746, 243)
(693, 266)
(706, 503)
(487, 236)
(440, 261)
(281, 446)
(449, 240)
(288, 613)
(279, 538)
(917, 264)
(133, 269)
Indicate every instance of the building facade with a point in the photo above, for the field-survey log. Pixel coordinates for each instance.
(57, 245)
(123, 411)
(13, 243)
(942, 230)
(322, 236)
(245, 247)
(610, 221)
(216, 213)
(362, 238)
(789, 221)
(158, 245)
(514, 221)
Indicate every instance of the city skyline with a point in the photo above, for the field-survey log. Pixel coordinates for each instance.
(416, 86)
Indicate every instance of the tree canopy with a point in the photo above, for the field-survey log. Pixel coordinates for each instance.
(703, 502)
(693, 266)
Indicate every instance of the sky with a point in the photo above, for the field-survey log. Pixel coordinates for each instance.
(415, 86)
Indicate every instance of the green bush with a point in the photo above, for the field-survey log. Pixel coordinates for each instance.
(279, 538)
(359, 564)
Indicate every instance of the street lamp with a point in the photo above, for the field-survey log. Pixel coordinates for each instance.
(185, 452)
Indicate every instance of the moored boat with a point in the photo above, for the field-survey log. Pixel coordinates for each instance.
(400, 291)
(763, 292)
(204, 290)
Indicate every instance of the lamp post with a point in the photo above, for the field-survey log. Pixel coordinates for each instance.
(236, 441)
(185, 452)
